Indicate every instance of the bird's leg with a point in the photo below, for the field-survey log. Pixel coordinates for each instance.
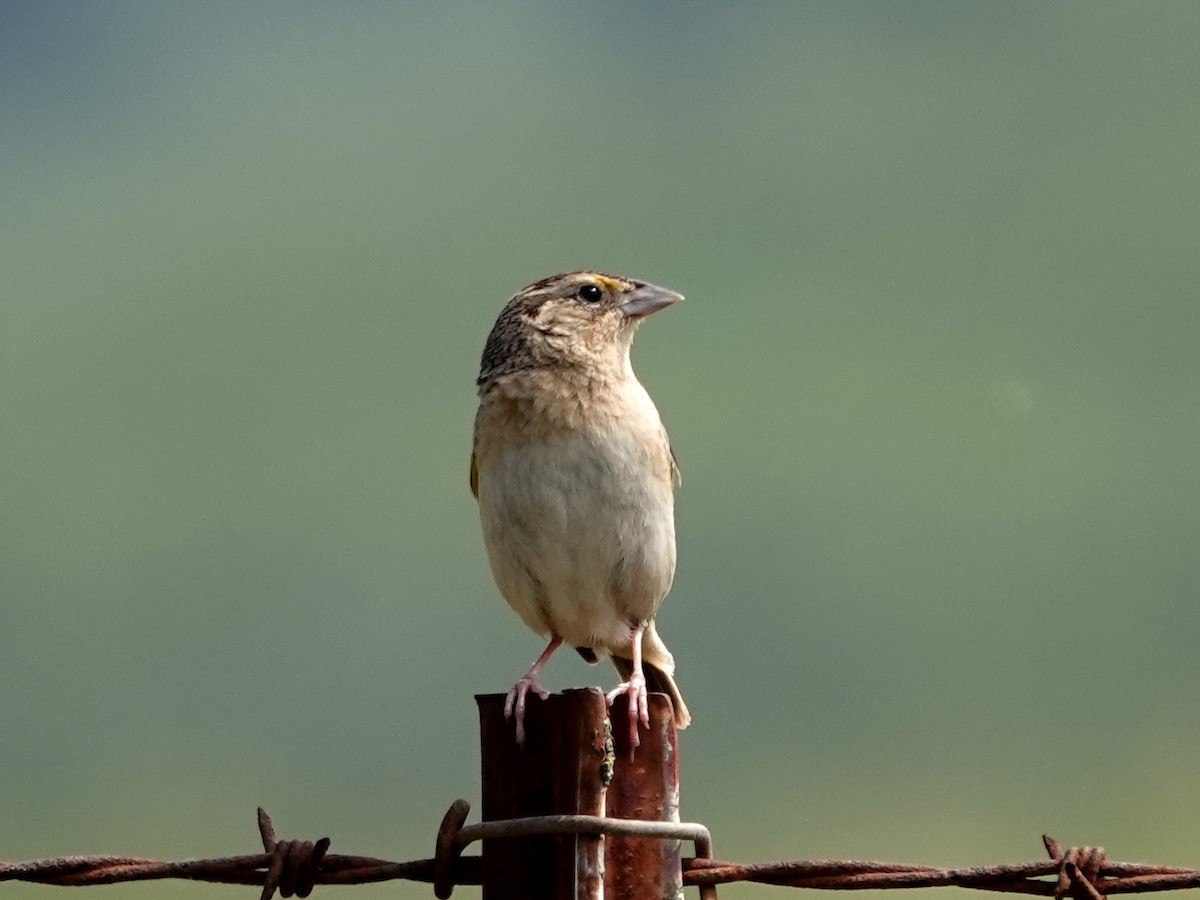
(515, 702)
(635, 689)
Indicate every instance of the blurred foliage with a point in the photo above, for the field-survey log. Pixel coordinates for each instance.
(933, 391)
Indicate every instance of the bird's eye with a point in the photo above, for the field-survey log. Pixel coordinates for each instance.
(590, 293)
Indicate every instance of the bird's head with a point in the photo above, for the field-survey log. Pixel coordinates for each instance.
(576, 321)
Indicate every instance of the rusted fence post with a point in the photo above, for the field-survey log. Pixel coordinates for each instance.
(644, 786)
(570, 766)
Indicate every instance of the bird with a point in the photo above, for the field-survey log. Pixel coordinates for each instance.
(575, 478)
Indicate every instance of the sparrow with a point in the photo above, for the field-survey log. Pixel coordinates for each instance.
(575, 480)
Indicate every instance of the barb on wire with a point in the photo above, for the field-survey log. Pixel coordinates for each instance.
(293, 867)
(294, 864)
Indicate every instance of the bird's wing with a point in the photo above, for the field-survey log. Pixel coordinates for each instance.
(474, 477)
(676, 475)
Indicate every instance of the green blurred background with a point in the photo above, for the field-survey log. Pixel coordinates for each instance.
(934, 393)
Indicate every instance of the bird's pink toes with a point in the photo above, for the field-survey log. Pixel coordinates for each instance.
(639, 705)
(514, 703)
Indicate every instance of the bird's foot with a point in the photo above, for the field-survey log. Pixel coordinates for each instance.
(639, 707)
(514, 704)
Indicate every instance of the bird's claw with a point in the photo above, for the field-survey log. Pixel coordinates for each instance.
(639, 705)
(514, 703)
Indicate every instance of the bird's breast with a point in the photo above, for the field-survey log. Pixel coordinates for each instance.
(578, 518)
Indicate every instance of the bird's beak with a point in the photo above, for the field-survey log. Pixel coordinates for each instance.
(646, 299)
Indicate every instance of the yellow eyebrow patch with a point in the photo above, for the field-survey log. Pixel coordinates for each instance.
(610, 283)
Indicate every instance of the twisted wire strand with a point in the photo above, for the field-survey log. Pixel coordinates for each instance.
(294, 867)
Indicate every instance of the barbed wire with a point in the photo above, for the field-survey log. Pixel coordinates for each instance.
(294, 867)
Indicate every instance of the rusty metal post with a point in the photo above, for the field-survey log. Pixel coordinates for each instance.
(645, 786)
(560, 770)
(568, 766)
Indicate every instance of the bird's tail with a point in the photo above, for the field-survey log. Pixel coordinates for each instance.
(658, 681)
